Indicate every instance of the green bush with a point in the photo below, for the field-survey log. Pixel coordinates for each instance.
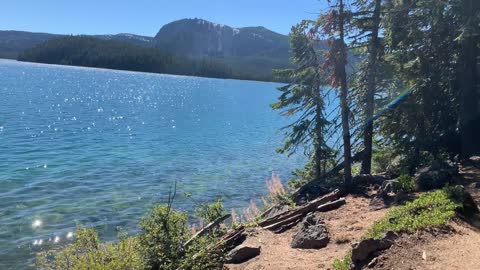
(343, 264)
(159, 245)
(405, 184)
(209, 212)
(88, 253)
(429, 210)
(164, 231)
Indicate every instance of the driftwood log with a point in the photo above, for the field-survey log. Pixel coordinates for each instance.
(206, 229)
(284, 221)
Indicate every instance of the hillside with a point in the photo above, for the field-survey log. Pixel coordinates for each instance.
(249, 52)
(13, 43)
(94, 52)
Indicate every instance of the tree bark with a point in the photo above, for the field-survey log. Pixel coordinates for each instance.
(469, 80)
(371, 89)
(341, 72)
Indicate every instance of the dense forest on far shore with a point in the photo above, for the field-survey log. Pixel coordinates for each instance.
(93, 52)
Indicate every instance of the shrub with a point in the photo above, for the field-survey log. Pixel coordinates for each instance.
(209, 212)
(158, 246)
(164, 231)
(343, 264)
(405, 184)
(88, 253)
(431, 209)
(277, 193)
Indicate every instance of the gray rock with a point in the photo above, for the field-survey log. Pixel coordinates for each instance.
(368, 179)
(242, 254)
(435, 176)
(363, 249)
(312, 234)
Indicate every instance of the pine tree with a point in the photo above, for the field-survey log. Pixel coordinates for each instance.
(333, 26)
(303, 98)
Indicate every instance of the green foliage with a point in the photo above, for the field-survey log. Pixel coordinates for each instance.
(88, 253)
(164, 231)
(405, 184)
(429, 210)
(158, 246)
(343, 264)
(210, 212)
(94, 52)
(303, 99)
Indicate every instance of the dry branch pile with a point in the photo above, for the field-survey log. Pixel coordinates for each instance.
(287, 220)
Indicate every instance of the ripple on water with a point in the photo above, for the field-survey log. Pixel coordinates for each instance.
(98, 148)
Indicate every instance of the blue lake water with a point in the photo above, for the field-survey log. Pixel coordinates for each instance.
(99, 147)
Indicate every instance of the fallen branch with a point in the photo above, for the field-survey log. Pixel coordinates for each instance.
(331, 205)
(299, 211)
(292, 219)
(207, 228)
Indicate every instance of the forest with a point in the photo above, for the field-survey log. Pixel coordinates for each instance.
(413, 101)
(89, 51)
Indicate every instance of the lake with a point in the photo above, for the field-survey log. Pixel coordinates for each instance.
(99, 147)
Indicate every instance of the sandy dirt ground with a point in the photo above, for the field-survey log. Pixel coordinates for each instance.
(345, 225)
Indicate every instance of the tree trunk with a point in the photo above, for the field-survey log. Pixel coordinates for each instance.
(341, 72)
(469, 80)
(371, 89)
(319, 134)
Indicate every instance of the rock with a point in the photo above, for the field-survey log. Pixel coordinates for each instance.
(477, 185)
(312, 234)
(363, 249)
(372, 263)
(242, 254)
(367, 179)
(387, 187)
(435, 176)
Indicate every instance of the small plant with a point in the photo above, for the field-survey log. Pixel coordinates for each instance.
(210, 211)
(431, 209)
(164, 231)
(405, 184)
(277, 192)
(343, 264)
(87, 252)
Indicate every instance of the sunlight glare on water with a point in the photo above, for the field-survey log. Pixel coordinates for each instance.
(99, 148)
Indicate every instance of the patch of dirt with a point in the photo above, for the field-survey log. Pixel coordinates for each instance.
(346, 225)
(456, 249)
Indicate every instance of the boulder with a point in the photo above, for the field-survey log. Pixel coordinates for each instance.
(387, 187)
(312, 234)
(435, 176)
(363, 249)
(367, 179)
(242, 254)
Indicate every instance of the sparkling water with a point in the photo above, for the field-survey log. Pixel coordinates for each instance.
(99, 147)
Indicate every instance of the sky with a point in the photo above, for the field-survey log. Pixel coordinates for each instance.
(145, 17)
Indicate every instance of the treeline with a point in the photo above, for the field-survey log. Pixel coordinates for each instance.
(93, 52)
(413, 99)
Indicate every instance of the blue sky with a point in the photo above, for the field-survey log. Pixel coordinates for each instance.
(145, 17)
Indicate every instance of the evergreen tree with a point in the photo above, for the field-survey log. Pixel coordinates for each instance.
(366, 20)
(333, 25)
(303, 98)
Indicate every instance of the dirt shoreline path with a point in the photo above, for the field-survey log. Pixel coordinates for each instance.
(346, 225)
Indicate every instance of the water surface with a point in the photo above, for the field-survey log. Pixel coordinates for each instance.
(99, 147)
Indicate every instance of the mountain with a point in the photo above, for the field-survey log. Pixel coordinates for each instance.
(14, 42)
(197, 37)
(247, 52)
(91, 51)
(129, 38)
